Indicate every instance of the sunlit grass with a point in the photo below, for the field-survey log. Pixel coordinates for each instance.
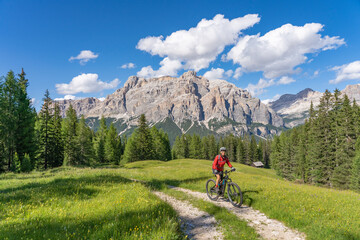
(320, 213)
(82, 204)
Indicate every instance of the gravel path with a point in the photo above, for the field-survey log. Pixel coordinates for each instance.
(265, 227)
(194, 222)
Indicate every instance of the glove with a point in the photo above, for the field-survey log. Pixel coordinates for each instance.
(233, 169)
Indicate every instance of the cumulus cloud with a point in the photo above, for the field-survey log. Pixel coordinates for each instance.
(67, 97)
(101, 99)
(229, 73)
(197, 47)
(238, 73)
(128, 65)
(279, 51)
(84, 56)
(86, 83)
(260, 87)
(350, 71)
(168, 67)
(215, 73)
(267, 101)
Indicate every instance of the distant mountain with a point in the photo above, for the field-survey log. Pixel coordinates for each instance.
(188, 104)
(294, 108)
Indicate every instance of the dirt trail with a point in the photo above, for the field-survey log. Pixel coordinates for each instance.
(195, 223)
(265, 227)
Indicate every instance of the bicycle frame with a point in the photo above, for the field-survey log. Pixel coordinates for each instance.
(225, 180)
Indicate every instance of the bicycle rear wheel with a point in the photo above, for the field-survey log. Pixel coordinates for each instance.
(234, 194)
(210, 190)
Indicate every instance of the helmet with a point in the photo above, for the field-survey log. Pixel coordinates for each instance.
(222, 149)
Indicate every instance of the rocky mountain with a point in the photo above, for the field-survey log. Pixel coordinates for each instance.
(294, 108)
(187, 104)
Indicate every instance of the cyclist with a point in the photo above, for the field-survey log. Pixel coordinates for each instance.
(218, 166)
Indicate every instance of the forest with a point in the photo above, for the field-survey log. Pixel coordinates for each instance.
(323, 151)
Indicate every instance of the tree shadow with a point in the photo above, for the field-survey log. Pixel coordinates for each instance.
(112, 224)
(58, 188)
(156, 184)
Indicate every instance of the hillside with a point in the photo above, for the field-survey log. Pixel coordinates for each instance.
(41, 204)
(186, 104)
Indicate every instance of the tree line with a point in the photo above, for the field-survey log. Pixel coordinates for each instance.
(326, 149)
(243, 150)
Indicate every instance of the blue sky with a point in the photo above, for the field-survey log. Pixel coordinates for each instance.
(277, 46)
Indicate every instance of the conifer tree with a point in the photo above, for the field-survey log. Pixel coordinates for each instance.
(84, 141)
(355, 171)
(253, 151)
(69, 129)
(112, 146)
(195, 147)
(99, 142)
(241, 152)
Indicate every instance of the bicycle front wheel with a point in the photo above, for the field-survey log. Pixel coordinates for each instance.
(210, 189)
(235, 194)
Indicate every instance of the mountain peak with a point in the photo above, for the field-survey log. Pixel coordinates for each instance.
(188, 74)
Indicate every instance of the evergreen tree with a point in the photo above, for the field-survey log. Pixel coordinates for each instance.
(241, 152)
(195, 147)
(84, 141)
(45, 132)
(140, 145)
(355, 172)
(8, 118)
(99, 143)
(213, 147)
(161, 144)
(69, 129)
(253, 151)
(25, 121)
(26, 165)
(112, 146)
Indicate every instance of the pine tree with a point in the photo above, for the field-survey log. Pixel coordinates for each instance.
(15, 164)
(8, 118)
(140, 145)
(112, 146)
(241, 152)
(161, 144)
(45, 131)
(213, 147)
(195, 147)
(99, 141)
(253, 151)
(25, 121)
(84, 141)
(56, 142)
(355, 171)
(69, 129)
(26, 165)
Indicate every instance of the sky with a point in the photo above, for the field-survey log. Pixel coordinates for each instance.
(79, 49)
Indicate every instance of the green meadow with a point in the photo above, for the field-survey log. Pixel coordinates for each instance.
(103, 203)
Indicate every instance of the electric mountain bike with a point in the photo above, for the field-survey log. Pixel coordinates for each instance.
(233, 190)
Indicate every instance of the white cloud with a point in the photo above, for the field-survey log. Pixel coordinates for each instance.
(279, 51)
(214, 73)
(238, 73)
(316, 73)
(229, 73)
(285, 80)
(101, 99)
(168, 67)
(67, 97)
(84, 56)
(197, 47)
(261, 86)
(128, 65)
(267, 101)
(86, 83)
(32, 101)
(350, 71)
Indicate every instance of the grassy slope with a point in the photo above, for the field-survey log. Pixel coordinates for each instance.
(319, 212)
(82, 204)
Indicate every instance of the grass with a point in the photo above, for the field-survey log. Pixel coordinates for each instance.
(102, 203)
(320, 213)
(82, 204)
(233, 228)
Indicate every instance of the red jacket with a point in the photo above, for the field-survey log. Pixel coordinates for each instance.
(218, 164)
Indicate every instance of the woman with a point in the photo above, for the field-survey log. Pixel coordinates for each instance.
(218, 166)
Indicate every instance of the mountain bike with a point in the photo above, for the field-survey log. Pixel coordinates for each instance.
(233, 190)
